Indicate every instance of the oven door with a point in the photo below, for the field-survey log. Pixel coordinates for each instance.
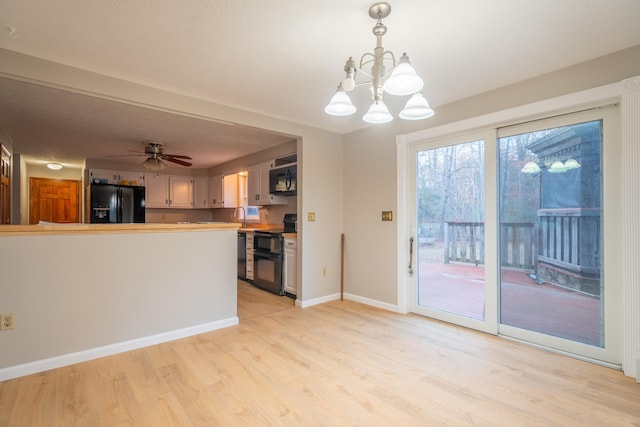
(267, 272)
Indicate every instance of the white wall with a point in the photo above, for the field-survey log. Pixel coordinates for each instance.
(79, 296)
(369, 189)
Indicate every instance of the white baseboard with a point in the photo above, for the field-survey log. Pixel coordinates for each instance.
(316, 301)
(111, 349)
(351, 297)
(373, 302)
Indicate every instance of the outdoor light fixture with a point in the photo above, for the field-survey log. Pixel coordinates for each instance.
(531, 168)
(402, 81)
(556, 166)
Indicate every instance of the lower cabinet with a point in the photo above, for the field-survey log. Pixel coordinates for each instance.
(290, 264)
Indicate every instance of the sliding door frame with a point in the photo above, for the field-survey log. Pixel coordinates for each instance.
(490, 321)
(567, 104)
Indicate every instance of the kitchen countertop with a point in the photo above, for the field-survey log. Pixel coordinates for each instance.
(290, 235)
(262, 227)
(43, 229)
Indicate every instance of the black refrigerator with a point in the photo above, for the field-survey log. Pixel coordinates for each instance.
(116, 204)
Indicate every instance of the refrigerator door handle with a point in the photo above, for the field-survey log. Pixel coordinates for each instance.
(119, 213)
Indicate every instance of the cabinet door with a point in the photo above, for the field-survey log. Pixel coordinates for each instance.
(181, 192)
(103, 176)
(157, 191)
(253, 185)
(131, 178)
(290, 260)
(230, 191)
(200, 192)
(265, 167)
(215, 192)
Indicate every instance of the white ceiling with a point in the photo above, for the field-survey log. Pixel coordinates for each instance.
(280, 58)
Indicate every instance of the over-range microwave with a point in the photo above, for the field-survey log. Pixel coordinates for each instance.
(283, 180)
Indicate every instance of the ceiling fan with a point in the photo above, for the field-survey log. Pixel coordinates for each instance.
(155, 156)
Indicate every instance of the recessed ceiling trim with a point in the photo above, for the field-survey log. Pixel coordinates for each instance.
(116, 98)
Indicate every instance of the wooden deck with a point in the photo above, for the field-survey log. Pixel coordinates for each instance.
(459, 288)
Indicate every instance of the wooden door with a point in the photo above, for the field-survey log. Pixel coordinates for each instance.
(54, 200)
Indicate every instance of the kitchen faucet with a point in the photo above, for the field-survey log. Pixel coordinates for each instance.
(244, 216)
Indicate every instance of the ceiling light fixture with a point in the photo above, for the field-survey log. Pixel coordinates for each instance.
(402, 81)
(54, 166)
(153, 164)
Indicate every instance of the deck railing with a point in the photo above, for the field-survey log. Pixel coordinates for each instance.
(570, 239)
(567, 239)
(464, 242)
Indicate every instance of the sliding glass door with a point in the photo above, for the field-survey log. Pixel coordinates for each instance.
(510, 232)
(451, 232)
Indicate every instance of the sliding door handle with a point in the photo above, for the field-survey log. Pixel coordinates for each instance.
(411, 256)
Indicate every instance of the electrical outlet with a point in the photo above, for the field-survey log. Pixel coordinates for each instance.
(311, 216)
(7, 321)
(387, 215)
(324, 271)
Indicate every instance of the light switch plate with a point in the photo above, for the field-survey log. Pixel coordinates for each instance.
(311, 216)
(387, 215)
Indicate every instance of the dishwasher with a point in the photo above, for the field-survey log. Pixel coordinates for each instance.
(242, 254)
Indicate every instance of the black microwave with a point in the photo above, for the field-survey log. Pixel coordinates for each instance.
(283, 181)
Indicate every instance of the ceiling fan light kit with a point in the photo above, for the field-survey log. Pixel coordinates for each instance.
(153, 164)
(402, 81)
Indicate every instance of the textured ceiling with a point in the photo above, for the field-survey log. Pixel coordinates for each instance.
(284, 58)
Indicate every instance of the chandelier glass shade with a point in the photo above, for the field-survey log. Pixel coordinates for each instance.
(340, 104)
(378, 113)
(417, 108)
(402, 81)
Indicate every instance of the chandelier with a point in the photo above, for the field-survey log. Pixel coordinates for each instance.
(402, 81)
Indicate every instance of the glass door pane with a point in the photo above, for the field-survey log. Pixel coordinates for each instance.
(450, 195)
(550, 232)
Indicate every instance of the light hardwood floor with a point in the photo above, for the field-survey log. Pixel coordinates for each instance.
(335, 364)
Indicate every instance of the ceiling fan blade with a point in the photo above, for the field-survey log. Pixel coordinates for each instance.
(177, 161)
(177, 156)
(125, 155)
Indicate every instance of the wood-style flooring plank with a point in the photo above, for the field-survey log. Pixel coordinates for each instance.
(334, 364)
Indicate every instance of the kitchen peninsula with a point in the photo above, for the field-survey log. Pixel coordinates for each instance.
(83, 291)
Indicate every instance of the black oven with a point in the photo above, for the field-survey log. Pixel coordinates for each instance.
(267, 261)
